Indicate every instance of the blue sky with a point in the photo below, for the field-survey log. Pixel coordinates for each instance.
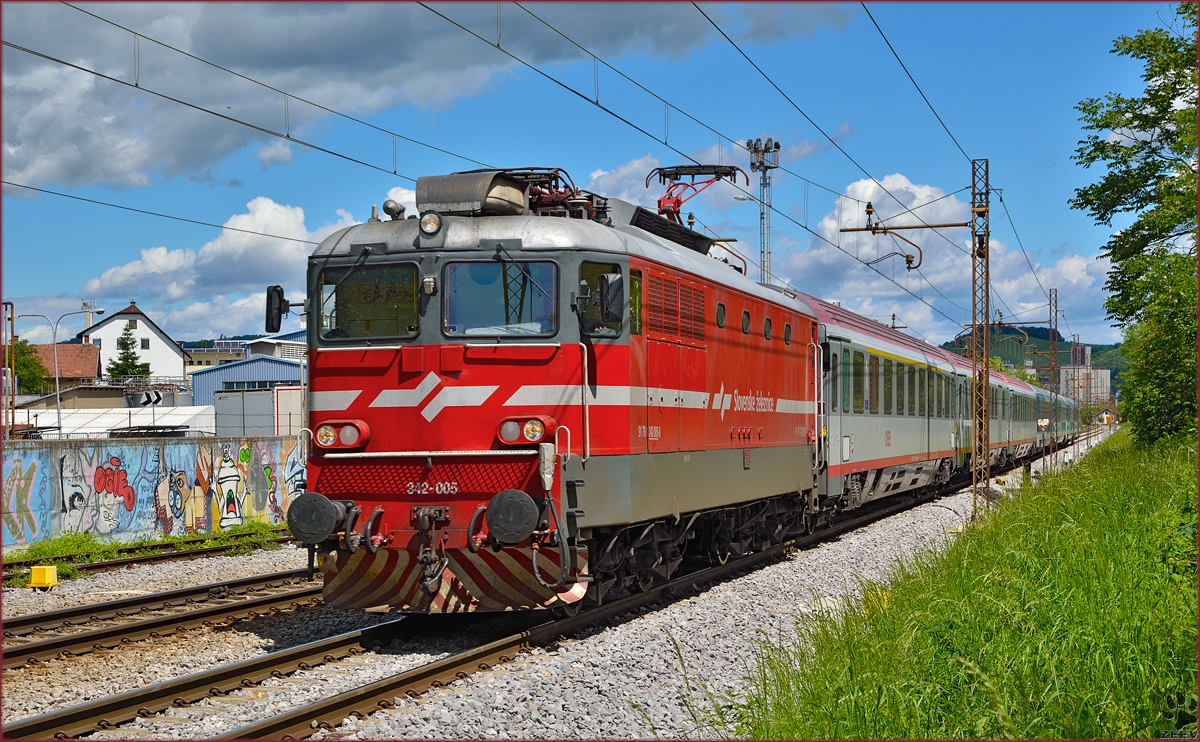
(1004, 77)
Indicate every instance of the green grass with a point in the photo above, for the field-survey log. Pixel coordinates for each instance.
(78, 548)
(1068, 612)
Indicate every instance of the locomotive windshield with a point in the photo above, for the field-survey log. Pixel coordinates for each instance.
(369, 301)
(500, 298)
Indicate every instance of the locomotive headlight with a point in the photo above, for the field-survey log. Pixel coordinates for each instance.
(348, 435)
(510, 431)
(326, 435)
(533, 431)
(431, 222)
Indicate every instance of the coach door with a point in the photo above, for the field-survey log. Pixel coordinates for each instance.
(840, 446)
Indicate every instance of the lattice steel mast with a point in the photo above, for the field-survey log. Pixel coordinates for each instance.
(980, 335)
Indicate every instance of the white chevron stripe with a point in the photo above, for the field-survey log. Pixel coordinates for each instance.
(332, 401)
(795, 406)
(407, 397)
(457, 396)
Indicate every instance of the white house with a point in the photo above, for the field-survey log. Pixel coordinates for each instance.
(154, 346)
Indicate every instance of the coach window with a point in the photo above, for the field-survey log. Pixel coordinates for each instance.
(912, 390)
(858, 383)
(940, 396)
(590, 319)
(846, 378)
(720, 314)
(899, 388)
(887, 387)
(787, 334)
(635, 302)
(833, 382)
(873, 390)
(921, 393)
(368, 301)
(745, 321)
(767, 328)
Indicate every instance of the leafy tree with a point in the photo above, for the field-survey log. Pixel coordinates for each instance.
(30, 370)
(1148, 146)
(127, 363)
(1158, 395)
(997, 364)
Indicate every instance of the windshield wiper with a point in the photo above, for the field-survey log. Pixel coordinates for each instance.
(500, 248)
(362, 258)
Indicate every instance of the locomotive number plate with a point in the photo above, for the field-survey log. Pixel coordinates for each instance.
(431, 488)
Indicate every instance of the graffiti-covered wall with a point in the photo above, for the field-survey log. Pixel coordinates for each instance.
(123, 489)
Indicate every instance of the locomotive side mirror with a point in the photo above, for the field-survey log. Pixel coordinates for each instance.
(612, 297)
(277, 306)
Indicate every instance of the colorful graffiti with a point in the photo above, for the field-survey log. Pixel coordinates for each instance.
(26, 509)
(125, 490)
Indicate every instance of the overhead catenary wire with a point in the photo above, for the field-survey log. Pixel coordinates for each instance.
(286, 94)
(936, 115)
(157, 214)
(209, 111)
(650, 135)
(914, 82)
(723, 136)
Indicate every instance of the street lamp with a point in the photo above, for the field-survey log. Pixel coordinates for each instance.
(54, 342)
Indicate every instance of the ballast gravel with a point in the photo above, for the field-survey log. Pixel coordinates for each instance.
(150, 578)
(622, 681)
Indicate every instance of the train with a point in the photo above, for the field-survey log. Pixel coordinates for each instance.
(526, 396)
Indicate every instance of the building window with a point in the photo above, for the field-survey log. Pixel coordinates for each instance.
(96, 342)
(131, 324)
(145, 343)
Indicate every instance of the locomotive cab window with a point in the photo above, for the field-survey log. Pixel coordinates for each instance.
(492, 298)
(590, 318)
(369, 301)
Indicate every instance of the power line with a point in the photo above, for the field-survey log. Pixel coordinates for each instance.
(914, 82)
(818, 128)
(925, 98)
(1000, 195)
(932, 201)
(277, 90)
(735, 142)
(663, 142)
(164, 96)
(155, 213)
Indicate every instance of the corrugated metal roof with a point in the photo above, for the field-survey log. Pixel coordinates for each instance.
(96, 423)
(258, 368)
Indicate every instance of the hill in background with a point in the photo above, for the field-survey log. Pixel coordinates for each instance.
(1006, 344)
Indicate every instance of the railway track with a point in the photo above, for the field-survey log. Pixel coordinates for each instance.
(166, 552)
(39, 637)
(329, 712)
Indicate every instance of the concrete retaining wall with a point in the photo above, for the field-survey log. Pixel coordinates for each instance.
(122, 490)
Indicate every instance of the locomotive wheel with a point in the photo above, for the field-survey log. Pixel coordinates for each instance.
(643, 580)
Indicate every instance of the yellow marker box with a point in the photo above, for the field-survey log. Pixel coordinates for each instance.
(43, 577)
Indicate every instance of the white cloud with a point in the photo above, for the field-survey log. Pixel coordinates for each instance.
(70, 128)
(277, 152)
(627, 182)
(944, 279)
(188, 290)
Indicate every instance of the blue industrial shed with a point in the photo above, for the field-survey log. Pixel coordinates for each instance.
(259, 372)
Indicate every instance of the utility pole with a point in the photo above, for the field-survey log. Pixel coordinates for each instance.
(980, 335)
(763, 159)
(980, 311)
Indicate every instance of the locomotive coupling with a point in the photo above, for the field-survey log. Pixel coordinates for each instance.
(313, 518)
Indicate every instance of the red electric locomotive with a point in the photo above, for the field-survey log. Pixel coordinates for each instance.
(527, 394)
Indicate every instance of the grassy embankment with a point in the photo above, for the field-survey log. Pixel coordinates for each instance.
(1069, 611)
(76, 548)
